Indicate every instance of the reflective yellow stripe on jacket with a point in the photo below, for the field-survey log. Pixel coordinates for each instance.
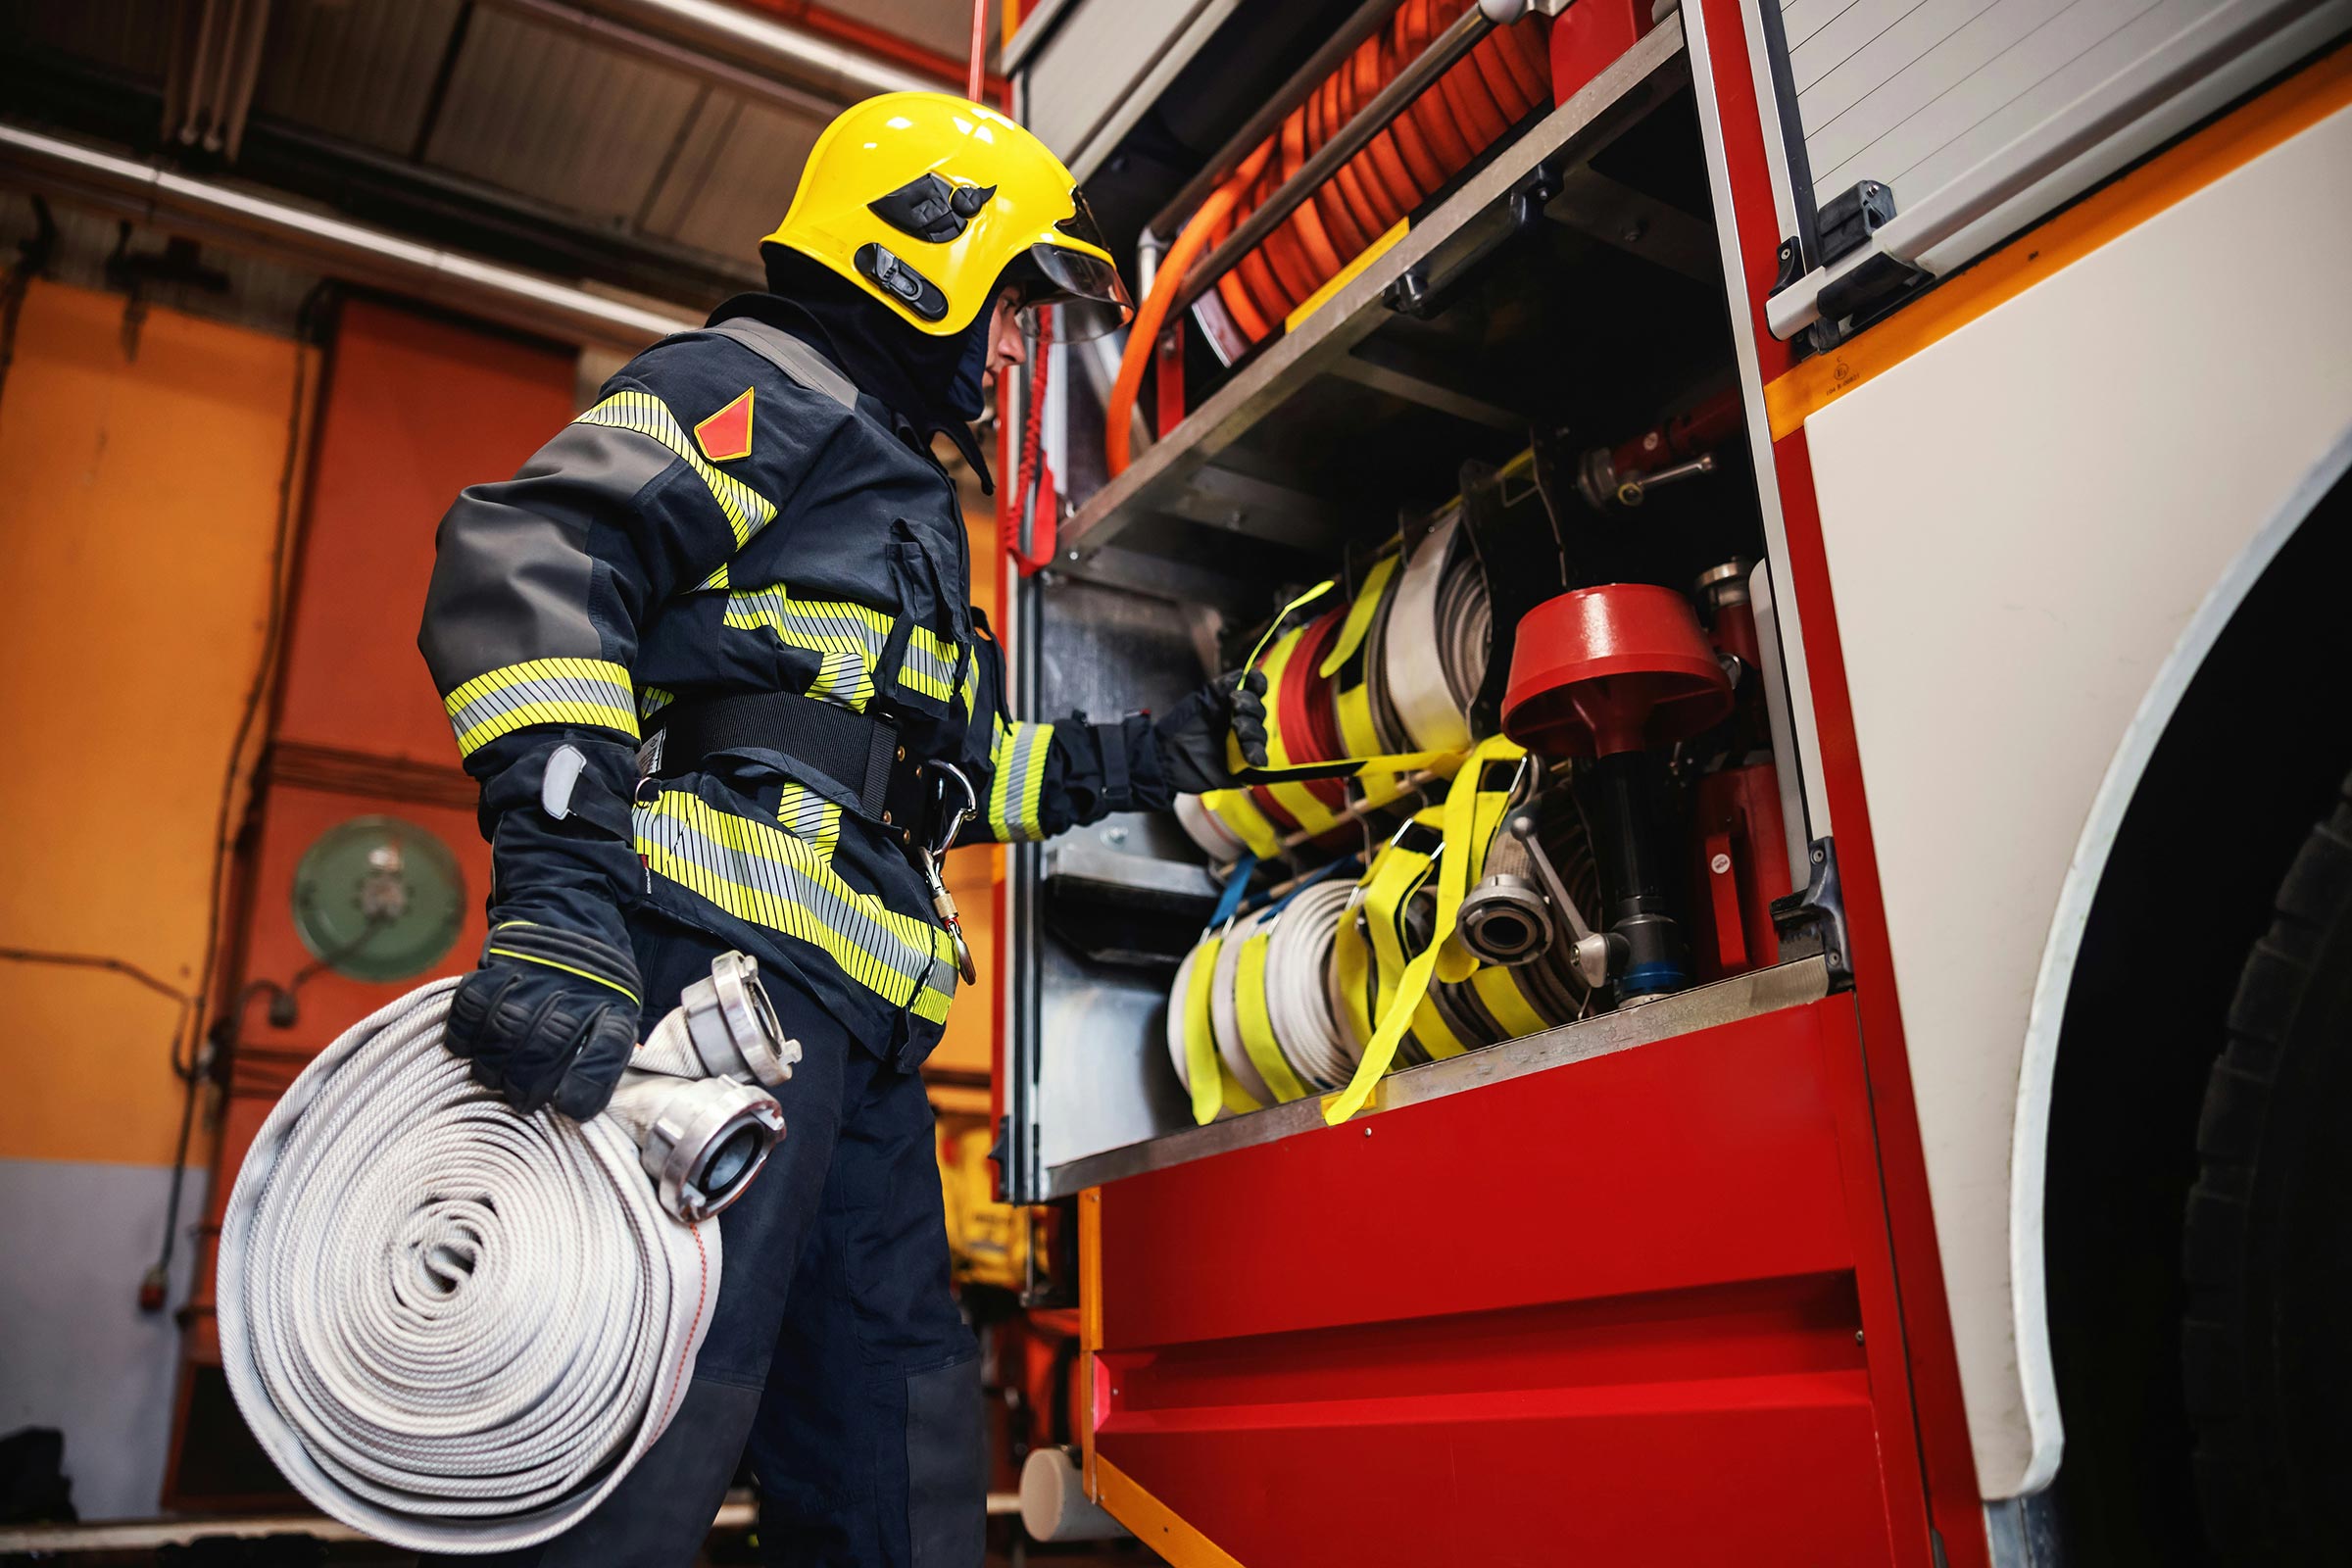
(1018, 755)
(747, 510)
(767, 876)
(541, 691)
(846, 638)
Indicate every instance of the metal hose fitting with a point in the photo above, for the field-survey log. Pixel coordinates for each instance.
(702, 1140)
(722, 1027)
(1505, 920)
(695, 1097)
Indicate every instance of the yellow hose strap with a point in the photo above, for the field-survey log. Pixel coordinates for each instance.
(1397, 874)
(1238, 811)
(1278, 754)
(1358, 623)
(1357, 730)
(1257, 1026)
(1493, 804)
(1498, 988)
(1352, 969)
(1315, 818)
(1455, 962)
(1283, 640)
(1453, 879)
(1202, 1067)
(1311, 815)
(1435, 1035)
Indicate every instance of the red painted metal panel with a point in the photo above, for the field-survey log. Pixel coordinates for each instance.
(416, 407)
(1619, 1307)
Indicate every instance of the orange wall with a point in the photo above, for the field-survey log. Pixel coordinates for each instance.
(416, 409)
(139, 502)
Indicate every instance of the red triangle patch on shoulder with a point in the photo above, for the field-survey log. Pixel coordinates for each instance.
(727, 434)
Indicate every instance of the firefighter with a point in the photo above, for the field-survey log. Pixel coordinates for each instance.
(713, 658)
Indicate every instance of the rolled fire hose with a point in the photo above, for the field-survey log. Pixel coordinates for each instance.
(1224, 1010)
(1441, 605)
(1275, 1017)
(455, 1326)
(1346, 686)
(1298, 987)
(1203, 825)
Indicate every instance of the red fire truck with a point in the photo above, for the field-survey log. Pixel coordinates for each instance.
(1885, 461)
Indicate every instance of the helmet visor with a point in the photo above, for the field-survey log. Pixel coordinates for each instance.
(1087, 283)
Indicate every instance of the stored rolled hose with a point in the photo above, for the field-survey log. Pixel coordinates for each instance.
(456, 1327)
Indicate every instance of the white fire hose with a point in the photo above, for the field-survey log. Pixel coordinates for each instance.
(455, 1326)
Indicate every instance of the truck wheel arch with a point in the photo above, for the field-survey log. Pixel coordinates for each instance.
(2235, 750)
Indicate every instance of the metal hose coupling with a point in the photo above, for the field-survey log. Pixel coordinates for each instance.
(1506, 918)
(695, 1097)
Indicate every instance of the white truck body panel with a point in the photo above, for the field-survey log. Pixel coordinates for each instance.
(2021, 523)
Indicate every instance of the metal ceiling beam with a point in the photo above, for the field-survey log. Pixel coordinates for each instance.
(919, 58)
(246, 221)
(687, 58)
(836, 72)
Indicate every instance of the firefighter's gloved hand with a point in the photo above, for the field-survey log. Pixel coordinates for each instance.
(549, 1018)
(1190, 738)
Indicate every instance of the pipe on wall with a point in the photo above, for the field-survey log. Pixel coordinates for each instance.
(246, 221)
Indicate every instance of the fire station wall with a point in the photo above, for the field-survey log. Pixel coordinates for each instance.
(142, 492)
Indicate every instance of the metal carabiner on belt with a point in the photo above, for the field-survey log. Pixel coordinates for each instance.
(926, 861)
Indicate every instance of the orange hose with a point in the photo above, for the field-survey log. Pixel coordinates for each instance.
(1529, 60)
(1145, 333)
(1235, 292)
(1472, 105)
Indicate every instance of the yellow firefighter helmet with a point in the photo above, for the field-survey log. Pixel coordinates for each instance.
(924, 200)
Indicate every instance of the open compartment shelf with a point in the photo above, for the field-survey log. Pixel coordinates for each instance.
(1565, 297)
(1570, 279)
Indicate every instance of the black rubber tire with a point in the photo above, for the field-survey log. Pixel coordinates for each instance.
(2266, 1244)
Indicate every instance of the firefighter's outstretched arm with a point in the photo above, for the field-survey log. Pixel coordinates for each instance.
(540, 585)
(1038, 780)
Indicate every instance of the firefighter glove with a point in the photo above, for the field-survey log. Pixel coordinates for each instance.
(549, 1018)
(1190, 738)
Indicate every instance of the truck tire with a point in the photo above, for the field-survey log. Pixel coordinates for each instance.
(2267, 1344)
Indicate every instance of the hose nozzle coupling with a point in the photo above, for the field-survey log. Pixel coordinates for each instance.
(702, 1140)
(722, 1027)
(1505, 920)
(695, 1097)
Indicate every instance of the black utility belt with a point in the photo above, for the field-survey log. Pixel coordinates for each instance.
(859, 753)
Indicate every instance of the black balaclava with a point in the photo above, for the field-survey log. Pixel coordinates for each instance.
(933, 382)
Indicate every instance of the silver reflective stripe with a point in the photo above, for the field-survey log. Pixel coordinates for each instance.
(796, 359)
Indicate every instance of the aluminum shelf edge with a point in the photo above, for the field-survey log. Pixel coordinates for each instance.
(1453, 235)
(1746, 996)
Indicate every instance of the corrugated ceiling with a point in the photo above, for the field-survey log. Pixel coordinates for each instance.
(361, 70)
(558, 118)
(625, 144)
